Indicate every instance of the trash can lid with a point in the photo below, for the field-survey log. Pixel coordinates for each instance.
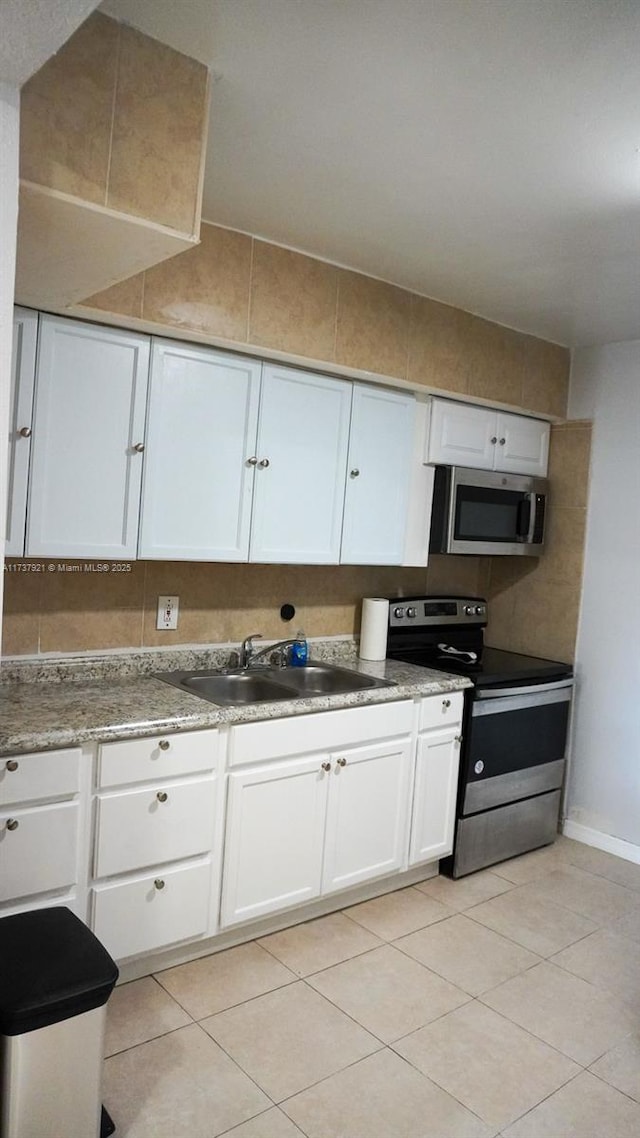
(52, 967)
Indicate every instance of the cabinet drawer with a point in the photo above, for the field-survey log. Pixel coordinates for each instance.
(163, 908)
(441, 710)
(277, 738)
(48, 774)
(161, 756)
(157, 824)
(40, 853)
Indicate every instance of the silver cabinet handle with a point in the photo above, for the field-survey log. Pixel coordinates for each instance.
(164, 744)
(502, 442)
(139, 447)
(253, 461)
(12, 824)
(458, 738)
(12, 765)
(264, 463)
(326, 766)
(355, 473)
(162, 796)
(446, 703)
(494, 439)
(158, 883)
(341, 762)
(25, 432)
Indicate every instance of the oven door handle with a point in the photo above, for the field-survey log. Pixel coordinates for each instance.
(534, 698)
(524, 689)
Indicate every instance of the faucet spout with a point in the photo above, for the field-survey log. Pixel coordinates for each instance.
(247, 651)
(279, 646)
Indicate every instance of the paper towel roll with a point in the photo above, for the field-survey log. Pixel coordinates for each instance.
(373, 630)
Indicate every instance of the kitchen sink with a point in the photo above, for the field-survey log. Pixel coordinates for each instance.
(322, 679)
(269, 684)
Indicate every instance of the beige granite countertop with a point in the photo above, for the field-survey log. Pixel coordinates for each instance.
(121, 704)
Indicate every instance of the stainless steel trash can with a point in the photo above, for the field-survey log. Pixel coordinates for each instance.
(55, 980)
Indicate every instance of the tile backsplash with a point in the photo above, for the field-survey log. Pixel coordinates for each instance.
(64, 610)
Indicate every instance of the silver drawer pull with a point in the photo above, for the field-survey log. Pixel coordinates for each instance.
(458, 738)
(12, 824)
(341, 762)
(12, 765)
(264, 463)
(25, 432)
(355, 473)
(446, 703)
(158, 884)
(162, 796)
(164, 744)
(326, 766)
(138, 447)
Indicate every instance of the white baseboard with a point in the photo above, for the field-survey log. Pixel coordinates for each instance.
(601, 841)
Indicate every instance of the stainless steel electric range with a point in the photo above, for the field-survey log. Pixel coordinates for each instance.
(514, 734)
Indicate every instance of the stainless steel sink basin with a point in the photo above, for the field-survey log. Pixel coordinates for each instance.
(322, 679)
(244, 687)
(266, 684)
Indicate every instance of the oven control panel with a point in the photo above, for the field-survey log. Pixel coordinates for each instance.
(425, 611)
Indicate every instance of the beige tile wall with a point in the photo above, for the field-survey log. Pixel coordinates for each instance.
(534, 603)
(118, 119)
(61, 611)
(246, 290)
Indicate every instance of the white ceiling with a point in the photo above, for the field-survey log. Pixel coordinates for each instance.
(482, 152)
(32, 30)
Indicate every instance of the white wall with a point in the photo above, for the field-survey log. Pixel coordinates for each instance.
(604, 784)
(9, 140)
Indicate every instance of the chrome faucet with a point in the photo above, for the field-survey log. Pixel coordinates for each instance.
(248, 655)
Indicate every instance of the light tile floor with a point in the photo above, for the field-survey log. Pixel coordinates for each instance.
(507, 1003)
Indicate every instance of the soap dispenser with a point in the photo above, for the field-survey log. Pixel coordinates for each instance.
(299, 651)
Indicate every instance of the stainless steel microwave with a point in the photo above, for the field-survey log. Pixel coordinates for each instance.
(487, 512)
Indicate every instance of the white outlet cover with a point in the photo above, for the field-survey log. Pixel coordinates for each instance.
(167, 617)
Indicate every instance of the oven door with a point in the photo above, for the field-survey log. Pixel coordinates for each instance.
(492, 513)
(516, 740)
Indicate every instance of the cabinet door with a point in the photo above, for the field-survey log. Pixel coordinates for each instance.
(302, 455)
(145, 827)
(38, 849)
(273, 849)
(84, 491)
(201, 434)
(434, 798)
(366, 813)
(462, 435)
(523, 445)
(23, 372)
(379, 468)
(165, 907)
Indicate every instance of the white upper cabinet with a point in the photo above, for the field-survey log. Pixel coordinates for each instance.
(86, 451)
(484, 439)
(300, 470)
(23, 371)
(523, 445)
(200, 454)
(378, 476)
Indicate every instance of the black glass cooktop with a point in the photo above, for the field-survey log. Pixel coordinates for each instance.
(495, 668)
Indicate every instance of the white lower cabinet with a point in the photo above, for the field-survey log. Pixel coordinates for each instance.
(38, 850)
(435, 788)
(318, 822)
(40, 827)
(366, 813)
(146, 913)
(157, 842)
(273, 844)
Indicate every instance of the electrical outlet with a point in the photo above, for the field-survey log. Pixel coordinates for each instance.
(167, 612)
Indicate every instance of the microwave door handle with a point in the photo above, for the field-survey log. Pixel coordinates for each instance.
(526, 518)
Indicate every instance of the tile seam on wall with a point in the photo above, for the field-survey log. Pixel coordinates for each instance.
(116, 79)
(251, 260)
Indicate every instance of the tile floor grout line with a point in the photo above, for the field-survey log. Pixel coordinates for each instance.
(606, 1082)
(547, 1097)
(447, 1092)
